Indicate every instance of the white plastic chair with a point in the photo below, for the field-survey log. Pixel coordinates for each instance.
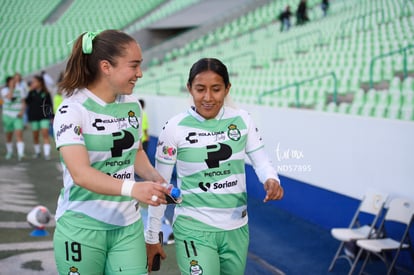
(372, 203)
(400, 210)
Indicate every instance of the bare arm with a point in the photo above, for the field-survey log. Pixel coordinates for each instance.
(144, 168)
(77, 161)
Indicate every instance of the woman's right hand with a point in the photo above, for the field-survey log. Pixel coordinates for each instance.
(150, 193)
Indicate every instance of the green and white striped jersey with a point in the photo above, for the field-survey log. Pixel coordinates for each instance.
(111, 134)
(12, 107)
(210, 160)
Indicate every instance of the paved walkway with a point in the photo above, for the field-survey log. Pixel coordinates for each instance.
(24, 185)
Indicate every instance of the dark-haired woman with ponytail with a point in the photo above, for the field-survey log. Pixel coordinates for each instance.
(97, 130)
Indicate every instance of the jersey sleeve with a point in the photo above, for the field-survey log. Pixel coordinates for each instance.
(262, 165)
(67, 125)
(166, 156)
(254, 140)
(4, 93)
(256, 152)
(167, 147)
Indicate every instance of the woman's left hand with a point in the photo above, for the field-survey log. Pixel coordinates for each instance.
(274, 190)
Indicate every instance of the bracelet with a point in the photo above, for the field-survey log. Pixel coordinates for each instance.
(127, 186)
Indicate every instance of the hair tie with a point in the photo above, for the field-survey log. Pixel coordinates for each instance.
(87, 39)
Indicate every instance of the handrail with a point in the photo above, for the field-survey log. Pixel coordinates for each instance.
(297, 85)
(251, 54)
(361, 16)
(158, 80)
(375, 58)
(298, 39)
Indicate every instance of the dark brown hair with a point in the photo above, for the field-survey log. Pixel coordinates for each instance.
(42, 83)
(83, 69)
(209, 64)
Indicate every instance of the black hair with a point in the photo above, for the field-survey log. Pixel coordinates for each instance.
(209, 64)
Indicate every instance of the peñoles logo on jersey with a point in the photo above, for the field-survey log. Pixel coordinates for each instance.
(216, 153)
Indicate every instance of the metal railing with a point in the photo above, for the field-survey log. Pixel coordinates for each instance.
(250, 54)
(297, 84)
(298, 39)
(361, 18)
(375, 58)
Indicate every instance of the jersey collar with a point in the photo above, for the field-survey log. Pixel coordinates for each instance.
(95, 98)
(197, 116)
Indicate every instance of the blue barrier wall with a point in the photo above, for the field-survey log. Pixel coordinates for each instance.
(313, 204)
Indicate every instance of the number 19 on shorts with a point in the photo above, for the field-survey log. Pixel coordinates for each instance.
(73, 251)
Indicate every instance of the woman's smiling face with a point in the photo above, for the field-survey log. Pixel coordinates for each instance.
(208, 91)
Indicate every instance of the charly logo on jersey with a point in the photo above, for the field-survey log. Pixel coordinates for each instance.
(62, 109)
(233, 133)
(133, 120)
(195, 268)
(216, 153)
(191, 137)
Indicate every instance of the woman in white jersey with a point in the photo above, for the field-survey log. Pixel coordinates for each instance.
(208, 145)
(97, 130)
(13, 111)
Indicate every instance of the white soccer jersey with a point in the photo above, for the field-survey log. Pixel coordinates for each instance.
(12, 107)
(210, 159)
(111, 134)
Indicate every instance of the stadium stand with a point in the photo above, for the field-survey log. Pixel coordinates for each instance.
(364, 44)
(353, 64)
(357, 61)
(29, 45)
